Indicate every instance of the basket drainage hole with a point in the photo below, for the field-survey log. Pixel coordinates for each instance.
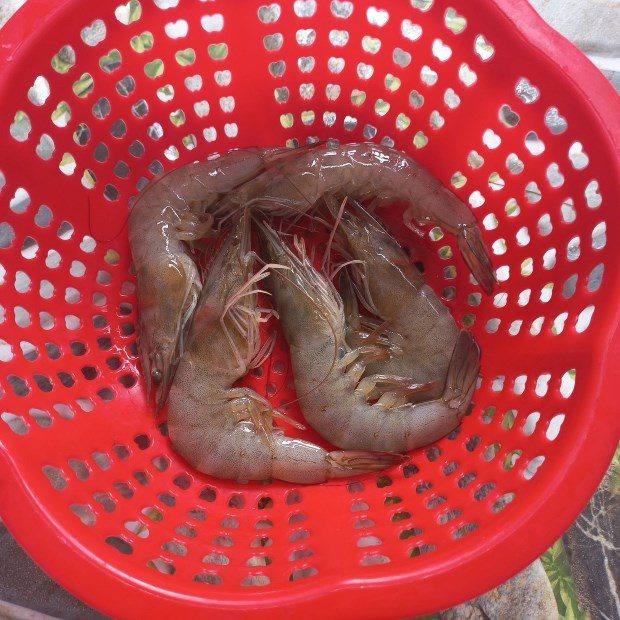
(56, 477)
(259, 560)
(436, 501)
(208, 494)
(102, 460)
(120, 544)
(209, 578)
(502, 502)
(186, 530)
(555, 426)
(161, 463)
(374, 560)
(303, 573)
(165, 567)
(183, 481)
(16, 424)
(467, 479)
(224, 541)
(356, 487)
(256, 580)
(142, 441)
(106, 501)
(84, 514)
(293, 497)
(142, 478)
(124, 490)
(80, 468)
(421, 550)
(264, 503)
(483, 491)
(261, 541)
(533, 466)
(462, 531)
(197, 514)
(153, 513)
(167, 499)
(175, 548)
(122, 452)
(369, 541)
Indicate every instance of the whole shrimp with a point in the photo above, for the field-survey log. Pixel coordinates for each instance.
(170, 213)
(349, 409)
(367, 172)
(392, 289)
(228, 431)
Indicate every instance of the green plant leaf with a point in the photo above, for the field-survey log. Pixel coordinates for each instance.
(558, 570)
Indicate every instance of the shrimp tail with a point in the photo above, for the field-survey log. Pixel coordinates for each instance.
(462, 373)
(477, 257)
(342, 464)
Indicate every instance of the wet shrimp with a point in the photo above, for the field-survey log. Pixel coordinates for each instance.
(228, 431)
(369, 173)
(350, 409)
(393, 290)
(169, 214)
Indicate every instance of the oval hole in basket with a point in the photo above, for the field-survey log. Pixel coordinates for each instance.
(120, 544)
(208, 578)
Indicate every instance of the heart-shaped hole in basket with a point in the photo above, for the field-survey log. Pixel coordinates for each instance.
(95, 33)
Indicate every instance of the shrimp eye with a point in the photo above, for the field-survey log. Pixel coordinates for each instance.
(156, 375)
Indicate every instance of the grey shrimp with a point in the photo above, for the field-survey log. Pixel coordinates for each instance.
(169, 214)
(349, 409)
(367, 172)
(228, 431)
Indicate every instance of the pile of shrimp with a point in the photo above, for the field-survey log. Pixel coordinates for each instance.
(379, 365)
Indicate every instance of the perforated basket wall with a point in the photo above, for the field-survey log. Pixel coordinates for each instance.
(97, 99)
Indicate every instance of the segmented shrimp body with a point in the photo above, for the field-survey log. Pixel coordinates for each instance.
(367, 172)
(226, 431)
(419, 330)
(170, 213)
(349, 408)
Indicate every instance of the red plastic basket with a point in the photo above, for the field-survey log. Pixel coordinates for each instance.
(475, 91)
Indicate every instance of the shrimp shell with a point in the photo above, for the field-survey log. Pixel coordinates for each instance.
(171, 213)
(226, 431)
(329, 373)
(367, 172)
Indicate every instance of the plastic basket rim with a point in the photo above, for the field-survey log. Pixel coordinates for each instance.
(78, 570)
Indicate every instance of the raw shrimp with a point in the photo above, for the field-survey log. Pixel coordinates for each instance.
(367, 172)
(393, 290)
(169, 213)
(228, 431)
(350, 410)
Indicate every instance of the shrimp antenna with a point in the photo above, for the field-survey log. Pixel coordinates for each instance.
(332, 234)
(325, 289)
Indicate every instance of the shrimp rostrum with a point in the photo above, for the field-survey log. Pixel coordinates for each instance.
(372, 174)
(392, 409)
(169, 215)
(228, 431)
